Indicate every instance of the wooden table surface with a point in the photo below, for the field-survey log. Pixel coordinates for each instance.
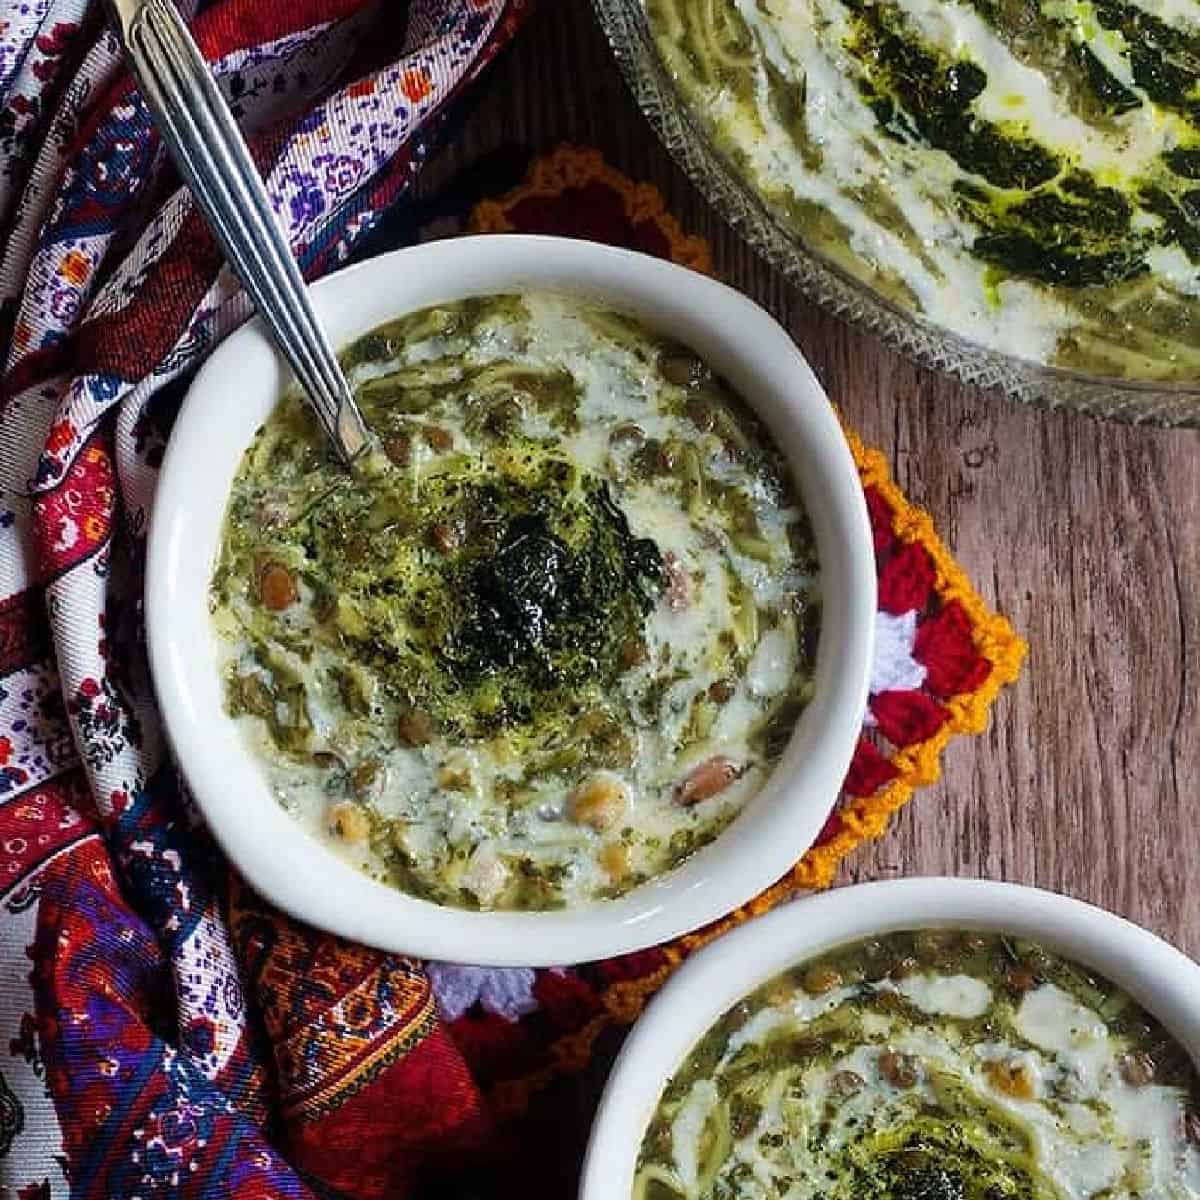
(1086, 535)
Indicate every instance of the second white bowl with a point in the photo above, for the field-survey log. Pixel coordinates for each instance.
(1162, 980)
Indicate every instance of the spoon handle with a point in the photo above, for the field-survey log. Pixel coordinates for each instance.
(200, 132)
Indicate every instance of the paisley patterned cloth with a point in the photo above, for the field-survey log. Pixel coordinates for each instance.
(162, 1031)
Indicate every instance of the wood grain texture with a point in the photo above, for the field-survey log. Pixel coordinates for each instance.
(1084, 534)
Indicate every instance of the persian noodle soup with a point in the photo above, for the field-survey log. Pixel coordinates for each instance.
(1025, 173)
(551, 638)
(934, 1065)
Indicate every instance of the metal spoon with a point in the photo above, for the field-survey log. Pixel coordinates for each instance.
(200, 132)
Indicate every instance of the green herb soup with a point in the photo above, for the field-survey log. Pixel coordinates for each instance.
(550, 638)
(1024, 173)
(935, 1065)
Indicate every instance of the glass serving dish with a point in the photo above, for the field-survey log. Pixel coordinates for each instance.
(1134, 401)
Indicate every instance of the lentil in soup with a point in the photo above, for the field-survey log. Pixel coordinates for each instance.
(550, 638)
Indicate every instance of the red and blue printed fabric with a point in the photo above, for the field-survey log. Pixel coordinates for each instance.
(162, 1033)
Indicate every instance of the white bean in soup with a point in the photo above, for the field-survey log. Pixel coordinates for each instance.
(551, 638)
(930, 1065)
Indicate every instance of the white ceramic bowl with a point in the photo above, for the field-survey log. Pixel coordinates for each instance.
(1161, 979)
(231, 398)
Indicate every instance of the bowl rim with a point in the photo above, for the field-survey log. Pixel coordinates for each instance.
(1163, 980)
(230, 396)
(1042, 385)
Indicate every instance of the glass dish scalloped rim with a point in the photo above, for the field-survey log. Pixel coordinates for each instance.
(1130, 401)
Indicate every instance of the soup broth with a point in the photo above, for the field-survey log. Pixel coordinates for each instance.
(932, 1065)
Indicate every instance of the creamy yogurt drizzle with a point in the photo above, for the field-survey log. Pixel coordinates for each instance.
(921, 238)
(720, 657)
(793, 1095)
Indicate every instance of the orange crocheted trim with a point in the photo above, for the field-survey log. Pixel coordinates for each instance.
(862, 818)
(919, 765)
(571, 167)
